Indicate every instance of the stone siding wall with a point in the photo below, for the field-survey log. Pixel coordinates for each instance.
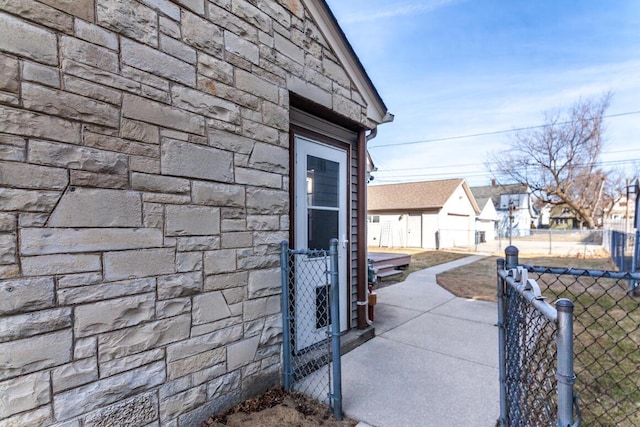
(144, 188)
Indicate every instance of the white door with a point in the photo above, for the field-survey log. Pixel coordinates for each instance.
(414, 231)
(320, 215)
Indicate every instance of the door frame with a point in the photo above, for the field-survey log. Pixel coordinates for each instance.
(322, 139)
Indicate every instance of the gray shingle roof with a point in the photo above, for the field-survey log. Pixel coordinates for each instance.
(411, 195)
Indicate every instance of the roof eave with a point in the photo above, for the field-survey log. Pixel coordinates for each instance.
(377, 111)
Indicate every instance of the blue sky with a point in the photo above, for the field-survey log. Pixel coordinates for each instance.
(449, 68)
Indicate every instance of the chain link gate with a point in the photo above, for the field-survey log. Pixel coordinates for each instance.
(311, 324)
(535, 353)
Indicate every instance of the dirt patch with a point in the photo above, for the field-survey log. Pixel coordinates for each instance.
(277, 408)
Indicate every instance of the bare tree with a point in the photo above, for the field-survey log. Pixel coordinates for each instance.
(560, 160)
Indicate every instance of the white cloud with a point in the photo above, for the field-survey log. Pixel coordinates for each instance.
(398, 10)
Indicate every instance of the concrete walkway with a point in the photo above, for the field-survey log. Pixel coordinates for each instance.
(433, 362)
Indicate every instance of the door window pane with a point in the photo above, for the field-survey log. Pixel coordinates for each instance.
(322, 182)
(323, 226)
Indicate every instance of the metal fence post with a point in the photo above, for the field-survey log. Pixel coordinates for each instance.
(335, 329)
(287, 367)
(565, 375)
(511, 257)
(502, 346)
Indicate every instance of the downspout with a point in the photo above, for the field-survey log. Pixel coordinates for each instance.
(362, 227)
(363, 266)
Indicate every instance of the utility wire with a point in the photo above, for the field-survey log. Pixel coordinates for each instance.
(497, 132)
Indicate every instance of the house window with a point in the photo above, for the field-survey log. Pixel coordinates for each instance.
(374, 218)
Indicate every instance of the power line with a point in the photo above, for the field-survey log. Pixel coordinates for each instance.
(497, 132)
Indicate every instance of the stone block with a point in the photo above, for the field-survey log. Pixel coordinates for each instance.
(24, 175)
(125, 342)
(287, 47)
(129, 18)
(28, 123)
(85, 347)
(96, 34)
(173, 307)
(13, 199)
(173, 47)
(38, 322)
(215, 194)
(90, 54)
(242, 47)
(139, 131)
(261, 307)
(188, 261)
(59, 264)
(139, 411)
(101, 291)
(270, 158)
(189, 220)
(200, 344)
(202, 34)
(241, 353)
(160, 184)
(117, 366)
(209, 307)
(41, 74)
(43, 241)
(7, 222)
(251, 14)
(258, 177)
(23, 39)
(80, 8)
(263, 222)
(40, 14)
(262, 201)
(260, 132)
(165, 6)
(8, 249)
(82, 279)
(215, 68)
(24, 393)
(39, 417)
(181, 403)
(179, 285)
(74, 374)
(76, 157)
(68, 105)
(264, 283)
(226, 281)
(195, 363)
(198, 243)
(103, 78)
(220, 261)
(195, 5)
(35, 353)
(92, 90)
(230, 141)
(193, 161)
(137, 108)
(207, 105)
(140, 263)
(103, 316)
(96, 207)
(253, 84)
(158, 63)
(9, 271)
(23, 295)
(310, 91)
(237, 240)
(98, 180)
(109, 390)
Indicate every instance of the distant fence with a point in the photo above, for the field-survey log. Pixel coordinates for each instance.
(623, 249)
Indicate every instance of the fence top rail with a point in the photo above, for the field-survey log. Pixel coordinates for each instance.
(582, 272)
(530, 291)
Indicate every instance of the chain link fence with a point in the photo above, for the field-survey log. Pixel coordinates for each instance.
(607, 340)
(311, 324)
(536, 353)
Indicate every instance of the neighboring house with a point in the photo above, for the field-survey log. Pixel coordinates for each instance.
(429, 215)
(153, 155)
(514, 206)
(562, 218)
(487, 219)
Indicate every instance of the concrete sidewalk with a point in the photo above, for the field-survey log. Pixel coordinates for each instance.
(433, 362)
